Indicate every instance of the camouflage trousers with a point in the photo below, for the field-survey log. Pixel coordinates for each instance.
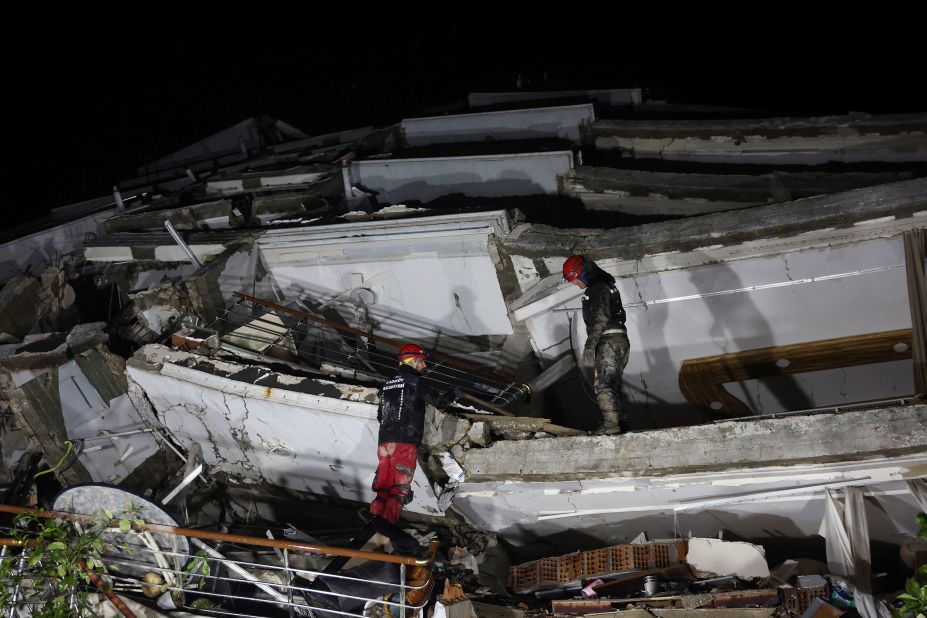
(611, 357)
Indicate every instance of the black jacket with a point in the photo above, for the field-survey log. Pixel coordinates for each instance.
(402, 406)
(602, 309)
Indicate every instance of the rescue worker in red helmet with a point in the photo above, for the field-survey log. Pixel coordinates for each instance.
(607, 345)
(402, 421)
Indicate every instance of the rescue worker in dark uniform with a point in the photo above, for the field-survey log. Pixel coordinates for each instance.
(607, 345)
(402, 422)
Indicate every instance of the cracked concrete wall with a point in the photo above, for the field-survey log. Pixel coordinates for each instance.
(742, 305)
(431, 278)
(730, 295)
(271, 433)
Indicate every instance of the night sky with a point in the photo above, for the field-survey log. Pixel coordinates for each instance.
(98, 90)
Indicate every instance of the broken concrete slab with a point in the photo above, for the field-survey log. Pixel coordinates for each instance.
(526, 425)
(445, 429)
(850, 139)
(717, 557)
(479, 434)
(51, 349)
(900, 200)
(886, 432)
(674, 194)
(159, 307)
(86, 336)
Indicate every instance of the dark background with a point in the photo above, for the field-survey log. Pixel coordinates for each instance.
(98, 90)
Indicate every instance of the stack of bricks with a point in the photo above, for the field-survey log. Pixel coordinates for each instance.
(798, 599)
(563, 570)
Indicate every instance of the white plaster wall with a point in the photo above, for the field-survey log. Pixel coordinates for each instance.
(48, 246)
(283, 444)
(417, 297)
(432, 277)
(615, 510)
(398, 180)
(542, 122)
(663, 335)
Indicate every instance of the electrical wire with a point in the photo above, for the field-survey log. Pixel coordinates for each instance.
(60, 461)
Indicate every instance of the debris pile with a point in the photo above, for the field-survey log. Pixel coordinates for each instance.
(678, 574)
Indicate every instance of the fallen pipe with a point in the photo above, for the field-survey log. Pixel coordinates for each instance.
(228, 538)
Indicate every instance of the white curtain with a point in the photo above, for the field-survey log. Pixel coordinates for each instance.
(846, 531)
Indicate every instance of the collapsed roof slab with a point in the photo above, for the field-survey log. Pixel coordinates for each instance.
(398, 180)
(364, 138)
(34, 251)
(227, 213)
(776, 141)
(906, 200)
(257, 426)
(753, 478)
(565, 122)
(612, 98)
(292, 179)
(659, 193)
(228, 145)
(128, 247)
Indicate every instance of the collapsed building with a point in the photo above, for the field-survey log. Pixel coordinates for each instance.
(242, 299)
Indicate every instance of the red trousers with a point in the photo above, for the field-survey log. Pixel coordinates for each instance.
(393, 480)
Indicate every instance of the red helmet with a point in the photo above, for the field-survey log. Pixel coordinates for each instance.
(411, 350)
(573, 267)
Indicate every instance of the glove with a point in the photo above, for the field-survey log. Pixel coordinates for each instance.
(588, 359)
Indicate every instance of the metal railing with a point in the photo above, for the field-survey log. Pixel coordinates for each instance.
(237, 575)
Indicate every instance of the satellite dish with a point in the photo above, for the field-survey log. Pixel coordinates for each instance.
(134, 556)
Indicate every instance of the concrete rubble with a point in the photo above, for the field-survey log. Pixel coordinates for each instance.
(231, 367)
(30, 305)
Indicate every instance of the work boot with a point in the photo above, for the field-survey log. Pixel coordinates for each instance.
(611, 420)
(611, 426)
(609, 429)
